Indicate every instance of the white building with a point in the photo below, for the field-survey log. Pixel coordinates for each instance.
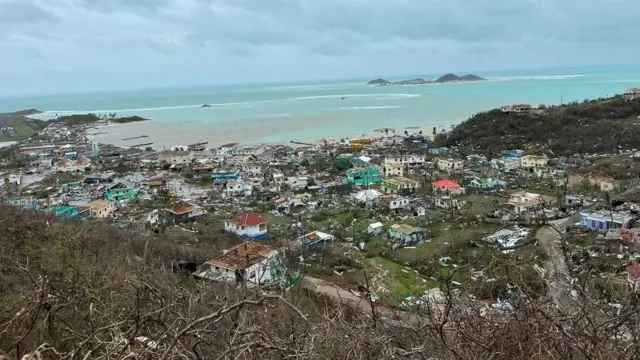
(393, 170)
(409, 159)
(251, 262)
(367, 196)
(247, 150)
(252, 169)
(450, 164)
(397, 202)
(632, 94)
(297, 182)
(447, 202)
(523, 202)
(238, 188)
(374, 228)
(223, 150)
(506, 164)
(177, 157)
(247, 224)
(279, 178)
(533, 161)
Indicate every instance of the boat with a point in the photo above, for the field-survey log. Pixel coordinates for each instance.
(206, 105)
(343, 98)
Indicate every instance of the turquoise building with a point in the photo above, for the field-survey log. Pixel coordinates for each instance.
(364, 176)
(64, 211)
(120, 192)
(488, 183)
(223, 176)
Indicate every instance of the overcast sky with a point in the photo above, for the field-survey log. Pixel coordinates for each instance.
(76, 45)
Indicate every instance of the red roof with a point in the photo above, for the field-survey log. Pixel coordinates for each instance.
(446, 184)
(248, 219)
(633, 270)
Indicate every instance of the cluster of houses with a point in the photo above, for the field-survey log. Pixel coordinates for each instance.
(400, 177)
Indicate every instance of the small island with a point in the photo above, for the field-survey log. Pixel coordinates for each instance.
(419, 81)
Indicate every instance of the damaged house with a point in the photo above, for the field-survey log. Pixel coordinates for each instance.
(182, 212)
(250, 262)
(523, 202)
(403, 235)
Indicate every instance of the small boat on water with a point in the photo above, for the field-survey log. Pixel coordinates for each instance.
(206, 105)
(343, 98)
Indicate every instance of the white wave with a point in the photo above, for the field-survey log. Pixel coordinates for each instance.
(311, 86)
(541, 77)
(71, 112)
(371, 107)
(380, 96)
(623, 81)
(245, 104)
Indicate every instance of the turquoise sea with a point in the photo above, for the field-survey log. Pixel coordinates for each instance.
(311, 110)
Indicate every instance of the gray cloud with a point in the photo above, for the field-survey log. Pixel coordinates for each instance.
(22, 11)
(365, 36)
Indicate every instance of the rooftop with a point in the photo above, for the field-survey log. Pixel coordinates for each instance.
(446, 184)
(405, 229)
(243, 255)
(603, 215)
(247, 219)
(183, 208)
(634, 270)
(318, 235)
(100, 204)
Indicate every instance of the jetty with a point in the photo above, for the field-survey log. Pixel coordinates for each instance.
(141, 145)
(135, 137)
(300, 143)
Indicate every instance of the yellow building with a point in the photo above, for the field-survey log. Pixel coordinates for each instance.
(533, 161)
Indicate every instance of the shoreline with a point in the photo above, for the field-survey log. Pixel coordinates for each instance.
(165, 135)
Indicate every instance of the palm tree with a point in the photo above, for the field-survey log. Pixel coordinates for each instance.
(434, 131)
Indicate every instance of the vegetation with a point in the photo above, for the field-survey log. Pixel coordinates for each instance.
(88, 119)
(73, 290)
(593, 126)
(23, 126)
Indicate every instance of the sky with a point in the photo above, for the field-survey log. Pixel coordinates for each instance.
(77, 45)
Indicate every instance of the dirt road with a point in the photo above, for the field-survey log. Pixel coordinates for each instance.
(557, 272)
(340, 295)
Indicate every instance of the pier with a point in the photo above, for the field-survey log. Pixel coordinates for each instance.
(135, 137)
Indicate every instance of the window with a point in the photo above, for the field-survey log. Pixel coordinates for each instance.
(601, 225)
(593, 224)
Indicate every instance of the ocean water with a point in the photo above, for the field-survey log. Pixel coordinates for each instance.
(312, 110)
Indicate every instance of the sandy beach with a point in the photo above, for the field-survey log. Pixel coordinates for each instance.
(247, 131)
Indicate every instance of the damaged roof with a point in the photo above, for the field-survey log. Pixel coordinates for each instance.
(183, 208)
(243, 255)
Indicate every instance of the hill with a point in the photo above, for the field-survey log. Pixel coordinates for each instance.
(378, 82)
(593, 126)
(420, 81)
(88, 290)
(16, 126)
(88, 119)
